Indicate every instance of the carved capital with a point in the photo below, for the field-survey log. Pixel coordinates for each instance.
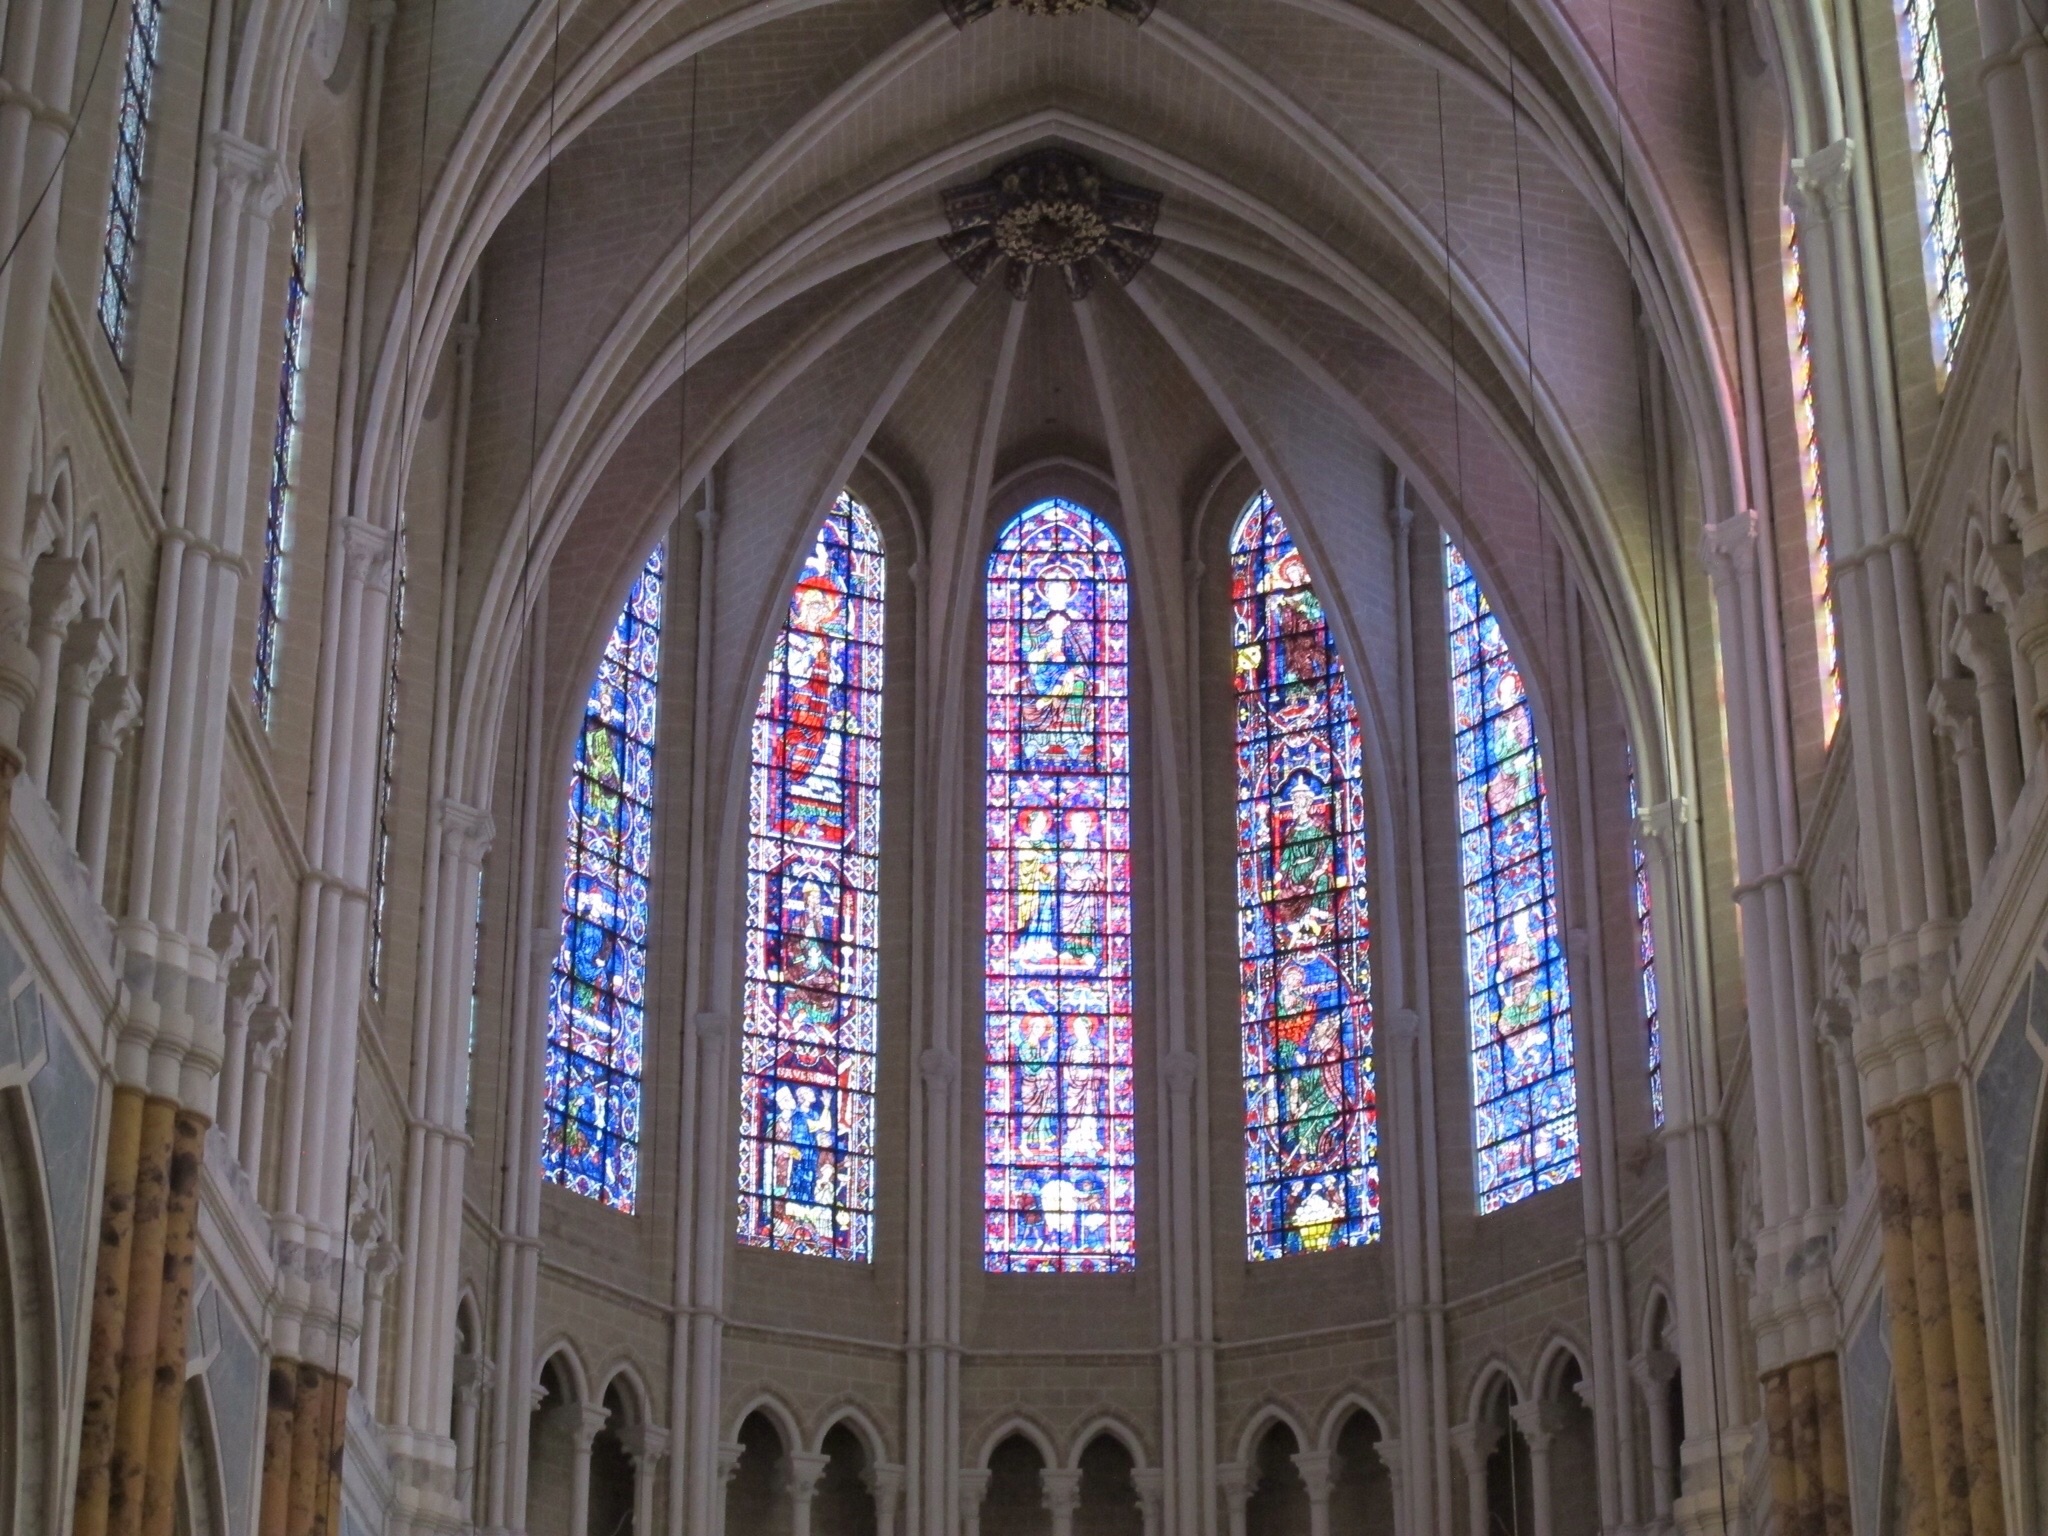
(1981, 643)
(1318, 1471)
(88, 652)
(1062, 1487)
(1834, 1024)
(1181, 1068)
(1234, 1482)
(1474, 1441)
(1952, 708)
(647, 1444)
(366, 551)
(973, 1489)
(585, 1422)
(939, 1066)
(1151, 1485)
(56, 594)
(268, 1027)
(1729, 547)
(1660, 827)
(248, 985)
(1654, 1369)
(729, 1454)
(474, 1375)
(1539, 1423)
(116, 705)
(1820, 181)
(251, 175)
(466, 831)
(380, 1263)
(885, 1481)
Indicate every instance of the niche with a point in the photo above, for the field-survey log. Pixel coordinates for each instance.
(1279, 1499)
(757, 1501)
(1109, 1491)
(551, 1455)
(1574, 1463)
(845, 1503)
(1015, 1502)
(1361, 1489)
(611, 1473)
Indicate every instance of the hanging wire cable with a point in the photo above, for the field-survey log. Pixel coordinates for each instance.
(92, 76)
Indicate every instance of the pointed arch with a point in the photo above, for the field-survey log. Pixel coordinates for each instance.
(597, 1008)
(1303, 927)
(1060, 1178)
(807, 1096)
(1518, 996)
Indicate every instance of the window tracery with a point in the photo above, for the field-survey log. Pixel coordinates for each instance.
(1812, 483)
(1941, 219)
(1059, 1127)
(131, 153)
(283, 451)
(1304, 935)
(597, 1007)
(807, 1099)
(1518, 1004)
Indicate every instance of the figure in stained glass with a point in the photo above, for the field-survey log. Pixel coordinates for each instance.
(1311, 1132)
(1524, 1089)
(1059, 1188)
(597, 1005)
(807, 1112)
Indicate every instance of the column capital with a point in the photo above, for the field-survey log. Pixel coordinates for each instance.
(1654, 1369)
(973, 1483)
(939, 1066)
(1981, 643)
(1728, 547)
(1833, 1023)
(88, 652)
(474, 1374)
(1820, 181)
(1475, 1440)
(1182, 1069)
(465, 830)
(1233, 1481)
(1062, 1487)
(647, 1444)
(116, 705)
(1151, 1485)
(586, 1421)
(254, 176)
(1538, 1424)
(806, 1471)
(1952, 708)
(1658, 827)
(367, 550)
(56, 593)
(1318, 1470)
(884, 1480)
(1388, 1449)
(729, 1454)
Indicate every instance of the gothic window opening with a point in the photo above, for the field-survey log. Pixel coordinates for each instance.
(1812, 485)
(387, 767)
(131, 153)
(284, 446)
(807, 1097)
(1646, 955)
(1303, 933)
(1059, 1190)
(1518, 997)
(1934, 156)
(597, 994)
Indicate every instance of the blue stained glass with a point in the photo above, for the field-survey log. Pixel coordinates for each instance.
(597, 995)
(1941, 216)
(124, 194)
(807, 1091)
(1060, 1171)
(1646, 959)
(284, 445)
(1518, 1004)
(1303, 935)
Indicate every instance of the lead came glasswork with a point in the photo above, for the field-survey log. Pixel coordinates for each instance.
(131, 151)
(1060, 1180)
(284, 446)
(1812, 484)
(1646, 958)
(597, 996)
(807, 1095)
(1941, 216)
(1524, 1093)
(1303, 935)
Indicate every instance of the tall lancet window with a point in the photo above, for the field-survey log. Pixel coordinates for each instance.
(284, 452)
(1812, 484)
(1518, 998)
(1059, 1134)
(1303, 938)
(597, 997)
(1646, 956)
(807, 1083)
(1934, 156)
(131, 153)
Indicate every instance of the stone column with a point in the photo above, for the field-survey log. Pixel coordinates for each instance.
(247, 987)
(1151, 1486)
(1062, 1495)
(1981, 643)
(973, 1485)
(1233, 1482)
(115, 707)
(647, 1444)
(885, 1485)
(1952, 707)
(1836, 1029)
(55, 598)
(585, 1422)
(806, 1471)
(473, 1376)
(1474, 1441)
(379, 1261)
(88, 652)
(1388, 1448)
(268, 1028)
(1538, 1424)
(1653, 1371)
(1318, 1476)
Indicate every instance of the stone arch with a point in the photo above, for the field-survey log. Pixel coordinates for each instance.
(624, 1379)
(849, 1414)
(1488, 1381)
(1560, 1352)
(1018, 1426)
(1350, 1403)
(1261, 1423)
(770, 1406)
(1113, 1425)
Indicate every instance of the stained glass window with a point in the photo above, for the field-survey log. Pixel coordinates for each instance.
(597, 1002)
(1303, 938)
(1646, 957)
(1941, 219)
(1518, 1003)
(131, 145)
(1060, 1173)
(807, 1087)
(387, 765)
(1812, 487)
(284, 446)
